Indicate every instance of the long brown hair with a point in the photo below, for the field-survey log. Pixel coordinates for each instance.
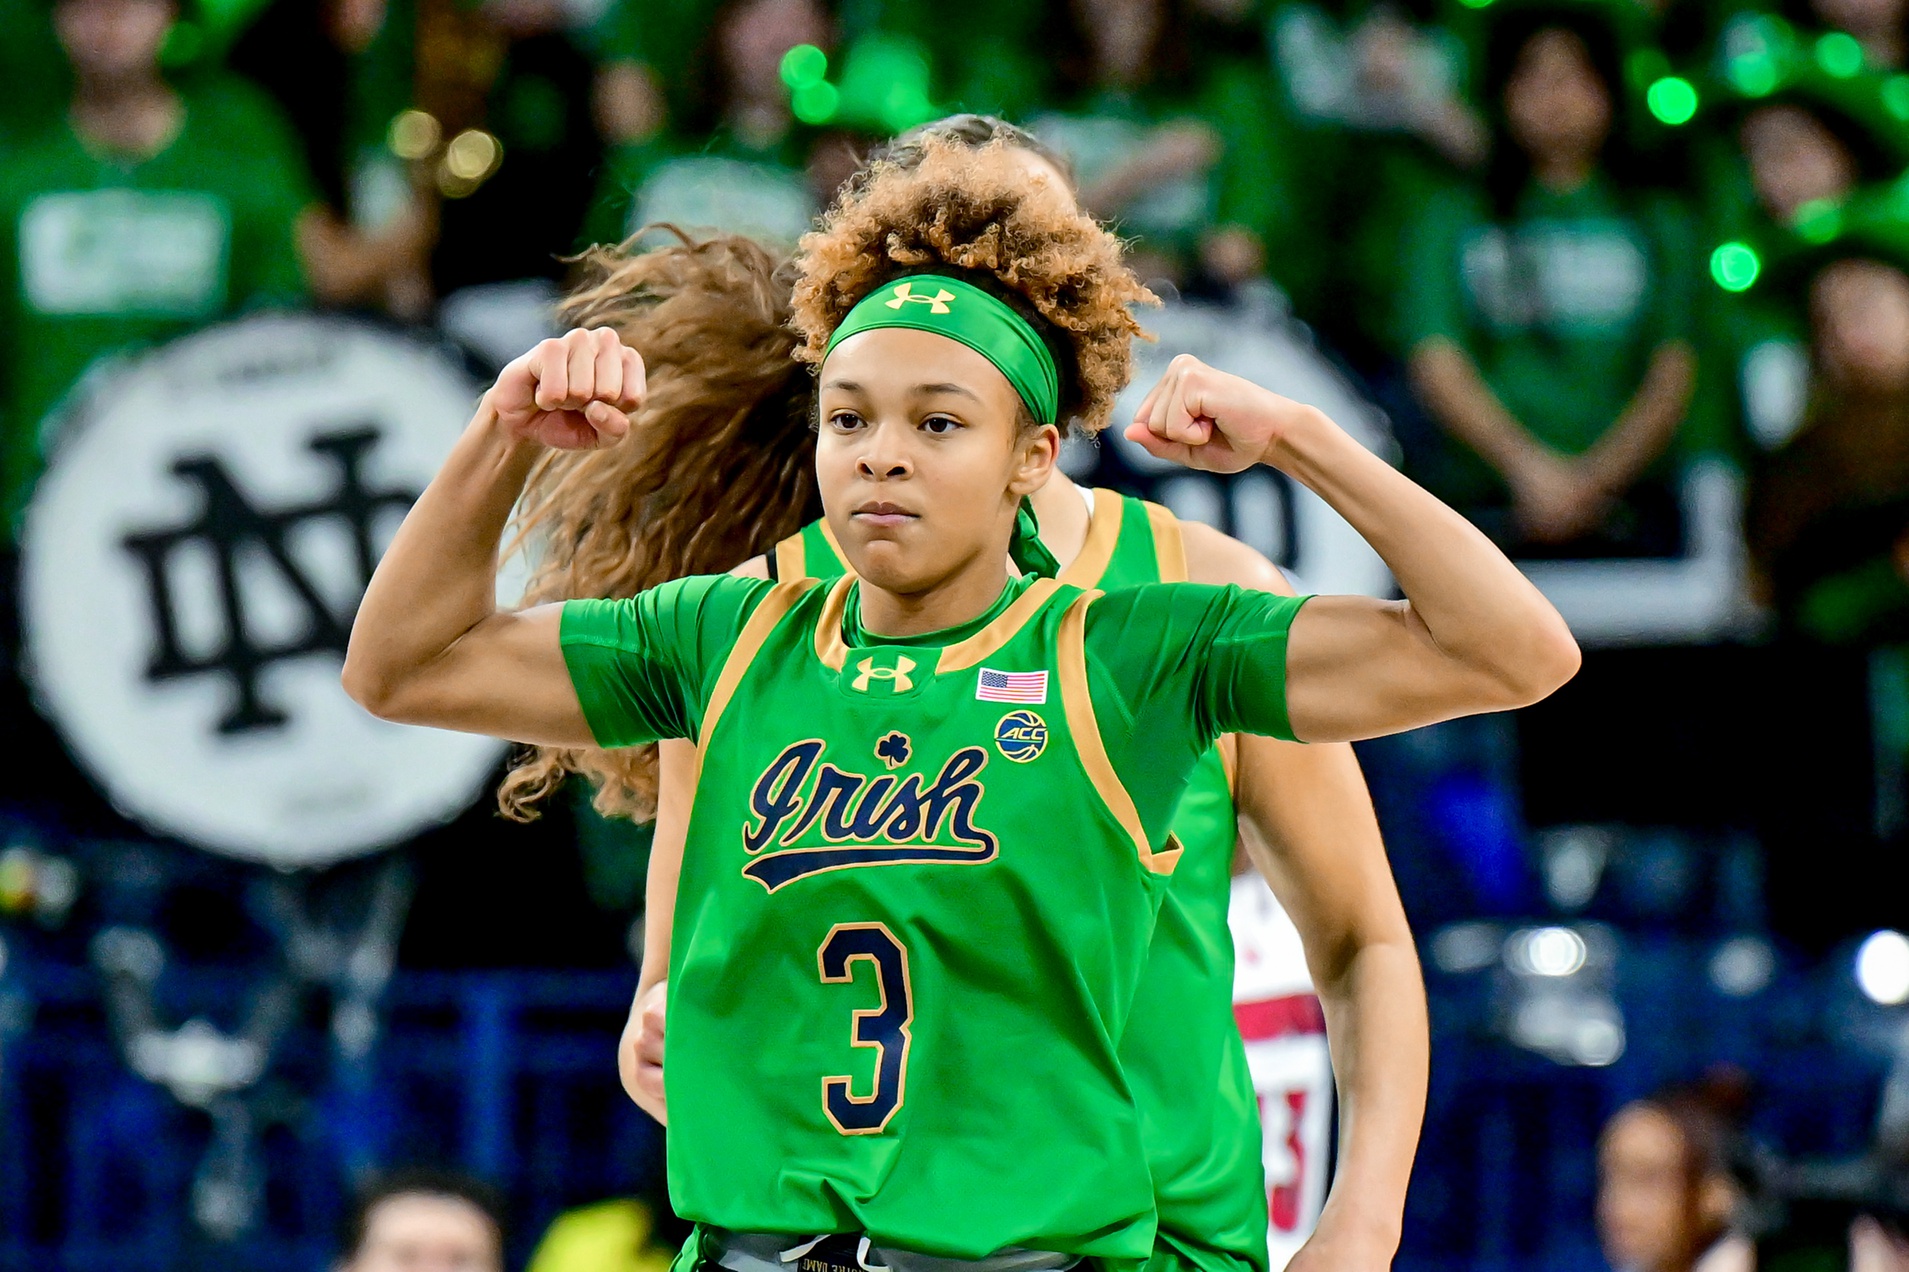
(719, 465)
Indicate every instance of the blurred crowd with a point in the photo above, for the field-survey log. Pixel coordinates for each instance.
(1577, 248)
(1577, 245)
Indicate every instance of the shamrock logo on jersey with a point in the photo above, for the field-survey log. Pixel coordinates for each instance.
(897, 677)
(893, 750)
(905, 295)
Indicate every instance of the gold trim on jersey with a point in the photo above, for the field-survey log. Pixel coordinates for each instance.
(828, 537)
(772, 610)
(792, 554)
(1229, 745)
(1169, 546)
(1005, 627)
(792, 559)
(1078, 704)
(830, 648)
(1103, 536)
(828, 628)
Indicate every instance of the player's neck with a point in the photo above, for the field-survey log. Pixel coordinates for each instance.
(960, 598)
(1063, 517)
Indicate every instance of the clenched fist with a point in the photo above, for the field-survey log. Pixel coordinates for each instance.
(573, 393)
(1203, 418)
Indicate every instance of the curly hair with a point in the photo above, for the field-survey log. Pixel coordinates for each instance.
(719, 465)
(972, 212)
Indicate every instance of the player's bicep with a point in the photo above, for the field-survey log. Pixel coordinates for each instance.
(1360, 668)
(505, 677)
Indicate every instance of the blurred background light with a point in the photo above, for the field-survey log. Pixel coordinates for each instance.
(414, 134)
(1735, 266)
(1546, 951)
(1673, 100)
(1839, 53)
(1882, 967)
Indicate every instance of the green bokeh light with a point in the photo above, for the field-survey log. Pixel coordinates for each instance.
(1839, 54)
(1673, 100)
(804, 65)
(1754, 75)
(815, 103)
(1819, 221)
(1735, 266)
(1476, 4)
(1895, 96)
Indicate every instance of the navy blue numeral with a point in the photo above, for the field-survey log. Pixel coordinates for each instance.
(885, 1027)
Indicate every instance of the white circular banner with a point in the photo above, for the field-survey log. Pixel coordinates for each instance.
(193, 558)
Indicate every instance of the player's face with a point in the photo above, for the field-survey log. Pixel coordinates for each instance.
(922, 457)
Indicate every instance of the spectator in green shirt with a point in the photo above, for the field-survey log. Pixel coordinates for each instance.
(739, 161)
(1549, 324)
(1829, 523)
(1176, 145)
(1800, 154)
(146, 212)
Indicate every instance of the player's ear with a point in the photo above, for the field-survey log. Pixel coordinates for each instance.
(1037, 450)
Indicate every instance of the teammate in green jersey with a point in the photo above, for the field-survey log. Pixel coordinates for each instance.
(1312, 819)
(896, 1000)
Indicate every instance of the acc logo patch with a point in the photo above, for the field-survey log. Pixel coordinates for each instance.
(1021, 736)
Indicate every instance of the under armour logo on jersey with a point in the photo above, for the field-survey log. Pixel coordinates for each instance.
(900, 680)
(905, 295)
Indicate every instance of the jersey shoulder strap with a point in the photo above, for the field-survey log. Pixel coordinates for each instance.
(810, 553)
(769, 612)
(1169, 546)
(1077, 704)
(1129, 542)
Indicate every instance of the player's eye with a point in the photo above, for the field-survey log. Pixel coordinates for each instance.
(940, 425)
(845, 421)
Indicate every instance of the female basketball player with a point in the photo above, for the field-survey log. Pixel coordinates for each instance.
(1182, 1052)
(848, 729)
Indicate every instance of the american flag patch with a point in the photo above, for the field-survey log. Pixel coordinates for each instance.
(1011, 686)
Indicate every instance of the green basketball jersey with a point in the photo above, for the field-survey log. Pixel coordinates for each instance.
(1181, 1052)
(914, 1030)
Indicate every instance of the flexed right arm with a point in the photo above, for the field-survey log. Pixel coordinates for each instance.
(429, 645)
(1472, 633)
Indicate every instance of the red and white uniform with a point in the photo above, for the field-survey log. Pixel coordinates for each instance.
(1285, 1034)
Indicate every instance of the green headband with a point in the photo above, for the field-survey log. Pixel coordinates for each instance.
(961, 311)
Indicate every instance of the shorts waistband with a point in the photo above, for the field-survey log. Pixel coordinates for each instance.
(853, 1252)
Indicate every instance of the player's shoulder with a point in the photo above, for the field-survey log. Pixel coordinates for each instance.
(1220, 559)
(697, 603)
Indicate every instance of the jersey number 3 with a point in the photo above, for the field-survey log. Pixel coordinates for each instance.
(885, 1028)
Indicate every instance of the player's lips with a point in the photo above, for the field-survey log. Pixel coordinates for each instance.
(887, 515)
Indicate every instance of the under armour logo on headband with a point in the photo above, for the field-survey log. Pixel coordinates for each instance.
(905, 294)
